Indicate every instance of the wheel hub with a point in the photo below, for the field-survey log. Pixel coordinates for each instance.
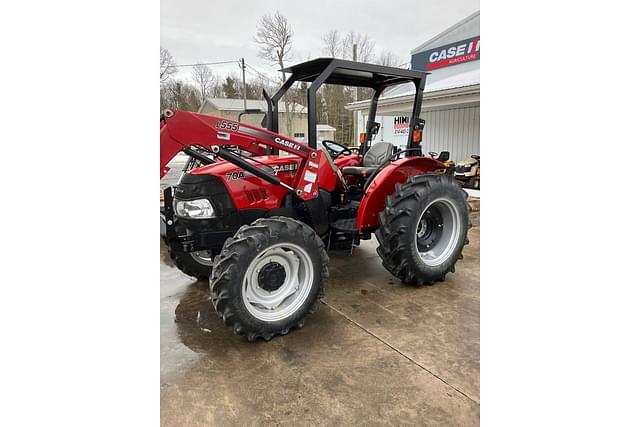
(438, 232)
(271, 276)
(203, 257)
(277, 282)
(429, 230)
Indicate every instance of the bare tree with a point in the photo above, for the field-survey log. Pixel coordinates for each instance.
(332, 44)
(215, 90)
(389, 59)
(365, 46)
(203, 79)
(167, 65)
(175, 94)
(275, 38)
(333, 98)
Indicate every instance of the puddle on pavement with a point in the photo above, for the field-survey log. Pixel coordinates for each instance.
(199, 328)
(197, 323)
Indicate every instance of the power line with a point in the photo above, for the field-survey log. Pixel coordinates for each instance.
(262, 74)
(253, 73)
(264, 78)
(256, 70)
(257, 74)
(204, 63)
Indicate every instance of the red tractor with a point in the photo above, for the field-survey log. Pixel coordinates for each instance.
(268, 207)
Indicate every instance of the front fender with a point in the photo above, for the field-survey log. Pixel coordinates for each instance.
(384, 184)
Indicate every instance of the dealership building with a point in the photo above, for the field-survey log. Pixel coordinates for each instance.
(451, 101)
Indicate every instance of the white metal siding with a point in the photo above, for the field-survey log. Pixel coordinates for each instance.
(455, 130)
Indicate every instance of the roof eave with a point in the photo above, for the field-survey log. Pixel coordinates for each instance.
(463, 90)
(443, 32)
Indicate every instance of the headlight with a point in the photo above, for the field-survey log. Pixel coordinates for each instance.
(200, 208)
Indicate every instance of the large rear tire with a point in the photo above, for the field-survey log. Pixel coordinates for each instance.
(195, 264)
(423, 229)
(269, 277)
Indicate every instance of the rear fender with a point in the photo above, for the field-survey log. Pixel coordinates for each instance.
(384, 184)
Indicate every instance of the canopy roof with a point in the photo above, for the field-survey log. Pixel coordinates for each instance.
(350, 73)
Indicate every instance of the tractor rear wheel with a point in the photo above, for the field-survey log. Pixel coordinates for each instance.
(423, 229)
(195, 264)
(268, 277)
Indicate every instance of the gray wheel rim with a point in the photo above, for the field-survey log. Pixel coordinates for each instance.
(290, 296)
(439, 219)
(202, 257)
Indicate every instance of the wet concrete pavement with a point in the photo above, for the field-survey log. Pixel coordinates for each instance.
(376, 352)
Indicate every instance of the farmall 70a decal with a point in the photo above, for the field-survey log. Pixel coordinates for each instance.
(444, 56)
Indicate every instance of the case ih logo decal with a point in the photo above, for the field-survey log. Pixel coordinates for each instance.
(444, 56)
(287, 143)
(285, 168)
(235, 175)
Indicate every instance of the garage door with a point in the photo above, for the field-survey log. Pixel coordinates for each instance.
(455, 130)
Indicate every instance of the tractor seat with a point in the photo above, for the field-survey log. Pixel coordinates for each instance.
(378, 154)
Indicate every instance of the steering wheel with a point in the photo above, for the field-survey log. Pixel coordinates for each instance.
(433, 154)
(335, 149)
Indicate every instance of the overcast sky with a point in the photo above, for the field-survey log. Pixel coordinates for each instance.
(210, 30)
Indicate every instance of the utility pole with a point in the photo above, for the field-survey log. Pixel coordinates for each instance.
(355, 97)
(355, 58)
(244, 84)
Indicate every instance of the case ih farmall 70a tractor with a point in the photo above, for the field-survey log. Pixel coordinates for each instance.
(268, 207)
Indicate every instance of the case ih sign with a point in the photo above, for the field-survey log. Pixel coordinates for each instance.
(444, 56)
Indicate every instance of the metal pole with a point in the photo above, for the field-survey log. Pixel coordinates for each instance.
(355, 94)
(244, 84)
(355, 59)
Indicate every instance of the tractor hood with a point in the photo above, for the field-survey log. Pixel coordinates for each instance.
(467, 162)
(247, 190)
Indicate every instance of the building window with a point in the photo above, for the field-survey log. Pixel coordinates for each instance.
(298, 134)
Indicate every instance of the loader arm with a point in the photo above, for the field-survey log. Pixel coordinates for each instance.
(180, 130)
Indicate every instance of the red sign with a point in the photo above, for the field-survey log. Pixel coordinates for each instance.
(444, 56)
(457, 54)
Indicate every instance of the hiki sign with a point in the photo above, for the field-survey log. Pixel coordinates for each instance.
(444, 56)
(400, 125)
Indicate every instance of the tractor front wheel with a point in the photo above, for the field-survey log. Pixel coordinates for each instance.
(269, 277)
(423, 229)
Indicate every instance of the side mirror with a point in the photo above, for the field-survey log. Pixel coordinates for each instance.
(373, 127)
